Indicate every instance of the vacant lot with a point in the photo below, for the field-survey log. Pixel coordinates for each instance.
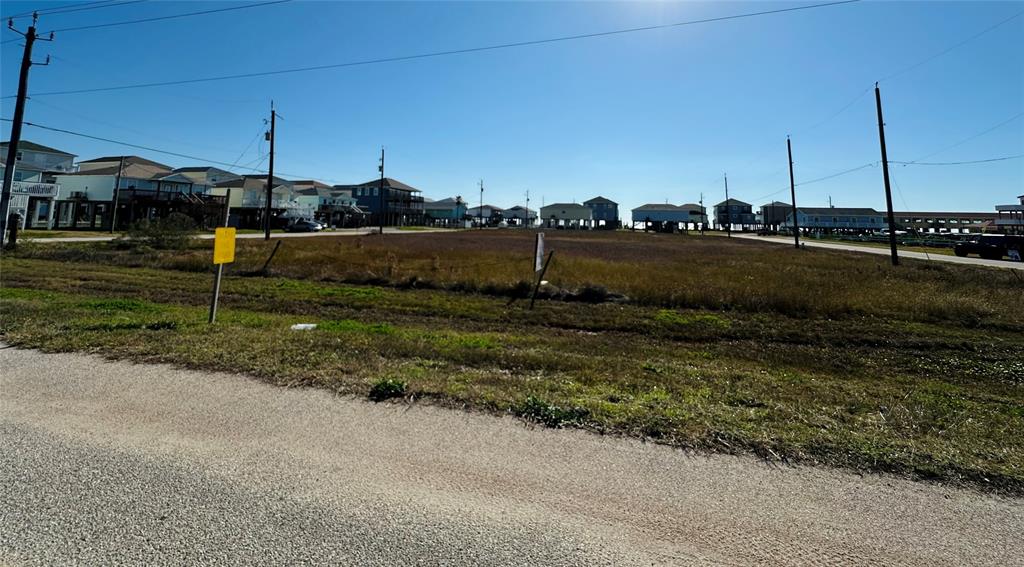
(810, 356)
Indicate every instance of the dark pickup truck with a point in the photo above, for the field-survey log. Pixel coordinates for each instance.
(992, 247)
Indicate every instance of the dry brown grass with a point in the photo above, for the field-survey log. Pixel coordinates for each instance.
(652, 269)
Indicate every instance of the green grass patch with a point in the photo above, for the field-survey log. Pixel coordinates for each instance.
(387, 388)
(350, 326)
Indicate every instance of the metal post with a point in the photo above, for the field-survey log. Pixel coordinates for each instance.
(540, 278)
(792, 194)
(383, 199)
(885, 176)
(728, 209)
(117, 195)
(220, 267)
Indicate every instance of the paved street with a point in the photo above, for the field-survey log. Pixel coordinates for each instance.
(112, 463)
(970, 260)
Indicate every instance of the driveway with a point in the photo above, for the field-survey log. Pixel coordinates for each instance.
(113, 463)
(970, 261)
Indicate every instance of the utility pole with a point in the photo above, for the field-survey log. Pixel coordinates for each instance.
(792, 194)
(270, 174)
(480, 211)
(526, 222)
(117, 193)
(383, 199)
(703, 214)
(728, 209)
(16, 122)
(885, 176)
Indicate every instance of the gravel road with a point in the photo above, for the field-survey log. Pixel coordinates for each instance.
(107, 463)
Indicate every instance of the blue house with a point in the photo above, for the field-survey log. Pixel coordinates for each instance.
(663, 216)
(605, 212)
(404, 203)
(837, 218)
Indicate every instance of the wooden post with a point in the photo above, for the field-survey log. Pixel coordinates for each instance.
(540, 278)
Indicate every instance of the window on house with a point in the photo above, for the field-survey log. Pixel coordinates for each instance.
(374, 191)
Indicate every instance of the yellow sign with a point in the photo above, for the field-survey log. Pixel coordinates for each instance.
(224, 245)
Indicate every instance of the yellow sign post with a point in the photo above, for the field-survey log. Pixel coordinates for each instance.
(224, 245)
(223, 253)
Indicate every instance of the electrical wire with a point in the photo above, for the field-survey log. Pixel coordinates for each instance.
(170, 17)
(442, 53)
(159, 151)
(951, 48)
(1018, 156)
(76, 8)
(969, 138)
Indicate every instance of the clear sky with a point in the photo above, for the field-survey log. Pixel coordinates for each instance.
(644, 117)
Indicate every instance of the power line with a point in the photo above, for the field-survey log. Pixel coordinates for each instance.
(160, 18)
(969, 138)
(858, 168)
(446, 52)
(171, 16)
(76, 8)
(948, 49)
(159, 151)
(1004, 158)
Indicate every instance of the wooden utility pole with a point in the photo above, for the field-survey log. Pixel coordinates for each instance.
(270, 174)
(526, 221)
(117, 194)
(16, 122)
(703, 214)
(792, 194)
(885, 176)
(380, 189)
(480, 212)
(728, 209)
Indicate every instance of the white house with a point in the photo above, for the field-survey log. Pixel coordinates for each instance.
(35, 189)
(567, 215)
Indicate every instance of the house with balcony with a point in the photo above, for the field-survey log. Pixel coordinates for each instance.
(665, 217)
(404, 203)
(333, 207)
(248, 202)
(1010, 218)
(34, 189)
(449, 212)
(837, 219)
(520, 216)
(567, 216)
(733, 213)
(605, 212)
(773, 214)
(487, 215)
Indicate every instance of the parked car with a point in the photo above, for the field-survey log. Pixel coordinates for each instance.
(991, 246)
(305, 226)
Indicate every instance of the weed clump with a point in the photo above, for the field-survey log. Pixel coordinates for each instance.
(550, 415)
(176, 231)
(387, 388)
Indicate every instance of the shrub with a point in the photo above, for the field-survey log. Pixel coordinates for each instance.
(387, 388)
(173, 232)
(535, 409)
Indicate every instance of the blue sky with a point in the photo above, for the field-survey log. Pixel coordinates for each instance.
(642, 117)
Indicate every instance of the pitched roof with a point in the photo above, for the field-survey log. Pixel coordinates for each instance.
(775, 204)
(837, 211)
(657, 207)
(732, 202)
(599, 199)
(128, 159)
(388, 182)
(34, 147)
(565, 206)
(242, 180)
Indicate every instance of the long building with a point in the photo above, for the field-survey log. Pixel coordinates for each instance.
(837, 219)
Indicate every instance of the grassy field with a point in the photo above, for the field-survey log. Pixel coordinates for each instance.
(806, 356)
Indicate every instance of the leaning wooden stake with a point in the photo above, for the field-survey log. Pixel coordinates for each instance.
(266, 264)
(540, 278)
